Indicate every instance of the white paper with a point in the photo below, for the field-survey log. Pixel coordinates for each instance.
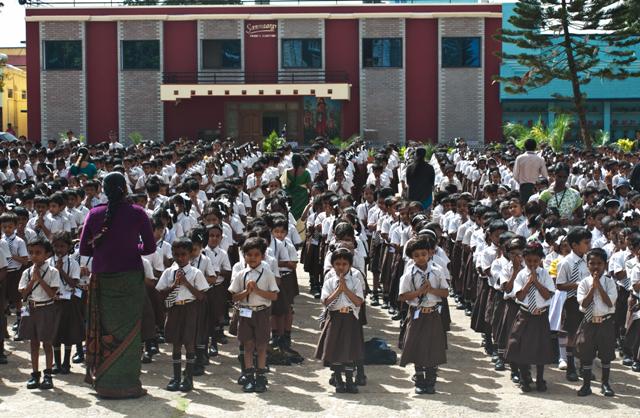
(65, 295)
(416, 313)
(78, 292)
(24, 311)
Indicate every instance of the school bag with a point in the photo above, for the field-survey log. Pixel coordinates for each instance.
(377, 351)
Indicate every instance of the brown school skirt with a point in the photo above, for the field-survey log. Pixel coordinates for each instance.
(498, 314)
(202, 324)
(622, 306)
(424, 341)
(312, 255)
(385, 267)
(376, 256)
(41, 324)
(456, 267)
(11, 289)
(256, 328)
(216, 306)
(148, 328)
(341, 339)
(290, 284)
(445, 315)
(157, 305)
(71, 327)
(571, 316)
(530, 340)
(511, 309)
(281, 306)
(478, 323)
(363, 314)
(596, 340)
(182, 321)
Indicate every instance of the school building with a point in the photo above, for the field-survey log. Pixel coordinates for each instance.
(389, 72)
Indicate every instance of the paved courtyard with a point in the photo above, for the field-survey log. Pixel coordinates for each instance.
(467, 385)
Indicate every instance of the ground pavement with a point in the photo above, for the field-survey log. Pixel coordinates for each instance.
(467, 384)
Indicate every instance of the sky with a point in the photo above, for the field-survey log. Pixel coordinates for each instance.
(11, 23)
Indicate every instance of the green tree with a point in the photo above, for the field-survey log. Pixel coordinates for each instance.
(140, 2)
(571, 40)
(190, 2)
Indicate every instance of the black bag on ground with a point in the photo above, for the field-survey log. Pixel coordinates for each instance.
(377, 351)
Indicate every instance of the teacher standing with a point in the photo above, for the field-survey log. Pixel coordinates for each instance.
(298, 185)
(111, 235)
(420, 179)
(527, 169)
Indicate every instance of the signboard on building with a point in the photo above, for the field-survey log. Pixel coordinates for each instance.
(261, 30)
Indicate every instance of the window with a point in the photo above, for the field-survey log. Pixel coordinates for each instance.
(301, 53)
(382, 52)
(140, 55)
(10, 93)
(223, 53)
(63, 55)
(24, 95)
(461, 52)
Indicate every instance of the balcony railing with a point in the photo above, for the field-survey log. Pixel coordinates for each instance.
(267, 77)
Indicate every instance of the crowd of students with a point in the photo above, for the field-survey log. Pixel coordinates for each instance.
(544, 281)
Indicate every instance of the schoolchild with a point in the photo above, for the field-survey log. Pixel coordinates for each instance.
(596, 295)
(69, 303)
(570, 271)
(182, 285)
(217, 293)
(341, 341)
(40, 320)
(254, 289)
(422, 287)
(530, 337)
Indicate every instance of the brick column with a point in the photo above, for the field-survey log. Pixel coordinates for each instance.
(140, 107)
(63, 92)
(382, 90)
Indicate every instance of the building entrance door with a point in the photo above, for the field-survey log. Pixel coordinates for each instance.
(250, 125)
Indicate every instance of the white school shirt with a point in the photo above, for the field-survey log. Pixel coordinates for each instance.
(264, 278)
(251, 183)
(203, 263)
(634, 279)
(219, 261)
(599, 307)
(16, 246)
(69, 266)
(414, 278)
(193, 276)
(49, 275)
(486, 258)
(565, 268)
(359, 256)
(148, 270)
(497, 267)
(286, 246)
(163, 249)
(514, 223)
(354, 281)
(84, 261)
(543, 277)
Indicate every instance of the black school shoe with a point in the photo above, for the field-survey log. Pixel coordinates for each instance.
(635, 366)
(65, 368)
(541, 386)
(260, 381)
(146, 357)
(250, 381)
(78, 358)
(627, 360)
(47, 380)
(34, 382)
(606, 390)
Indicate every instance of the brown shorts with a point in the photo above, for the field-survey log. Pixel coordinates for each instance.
(181, 324)
(257, 328)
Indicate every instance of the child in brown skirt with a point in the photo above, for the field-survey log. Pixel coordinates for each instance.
(199, 260)
(530, 336)
(182, 286)
(217, 293)
(596, 295)
(422, 287)
(38, 286)
(340, 345)
(254, 288)
(571, 270)
(70, 309)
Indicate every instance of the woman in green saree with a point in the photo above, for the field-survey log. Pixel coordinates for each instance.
(111, 235)
(298, 184)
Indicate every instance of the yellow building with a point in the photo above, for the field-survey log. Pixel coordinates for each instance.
(13, 98)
